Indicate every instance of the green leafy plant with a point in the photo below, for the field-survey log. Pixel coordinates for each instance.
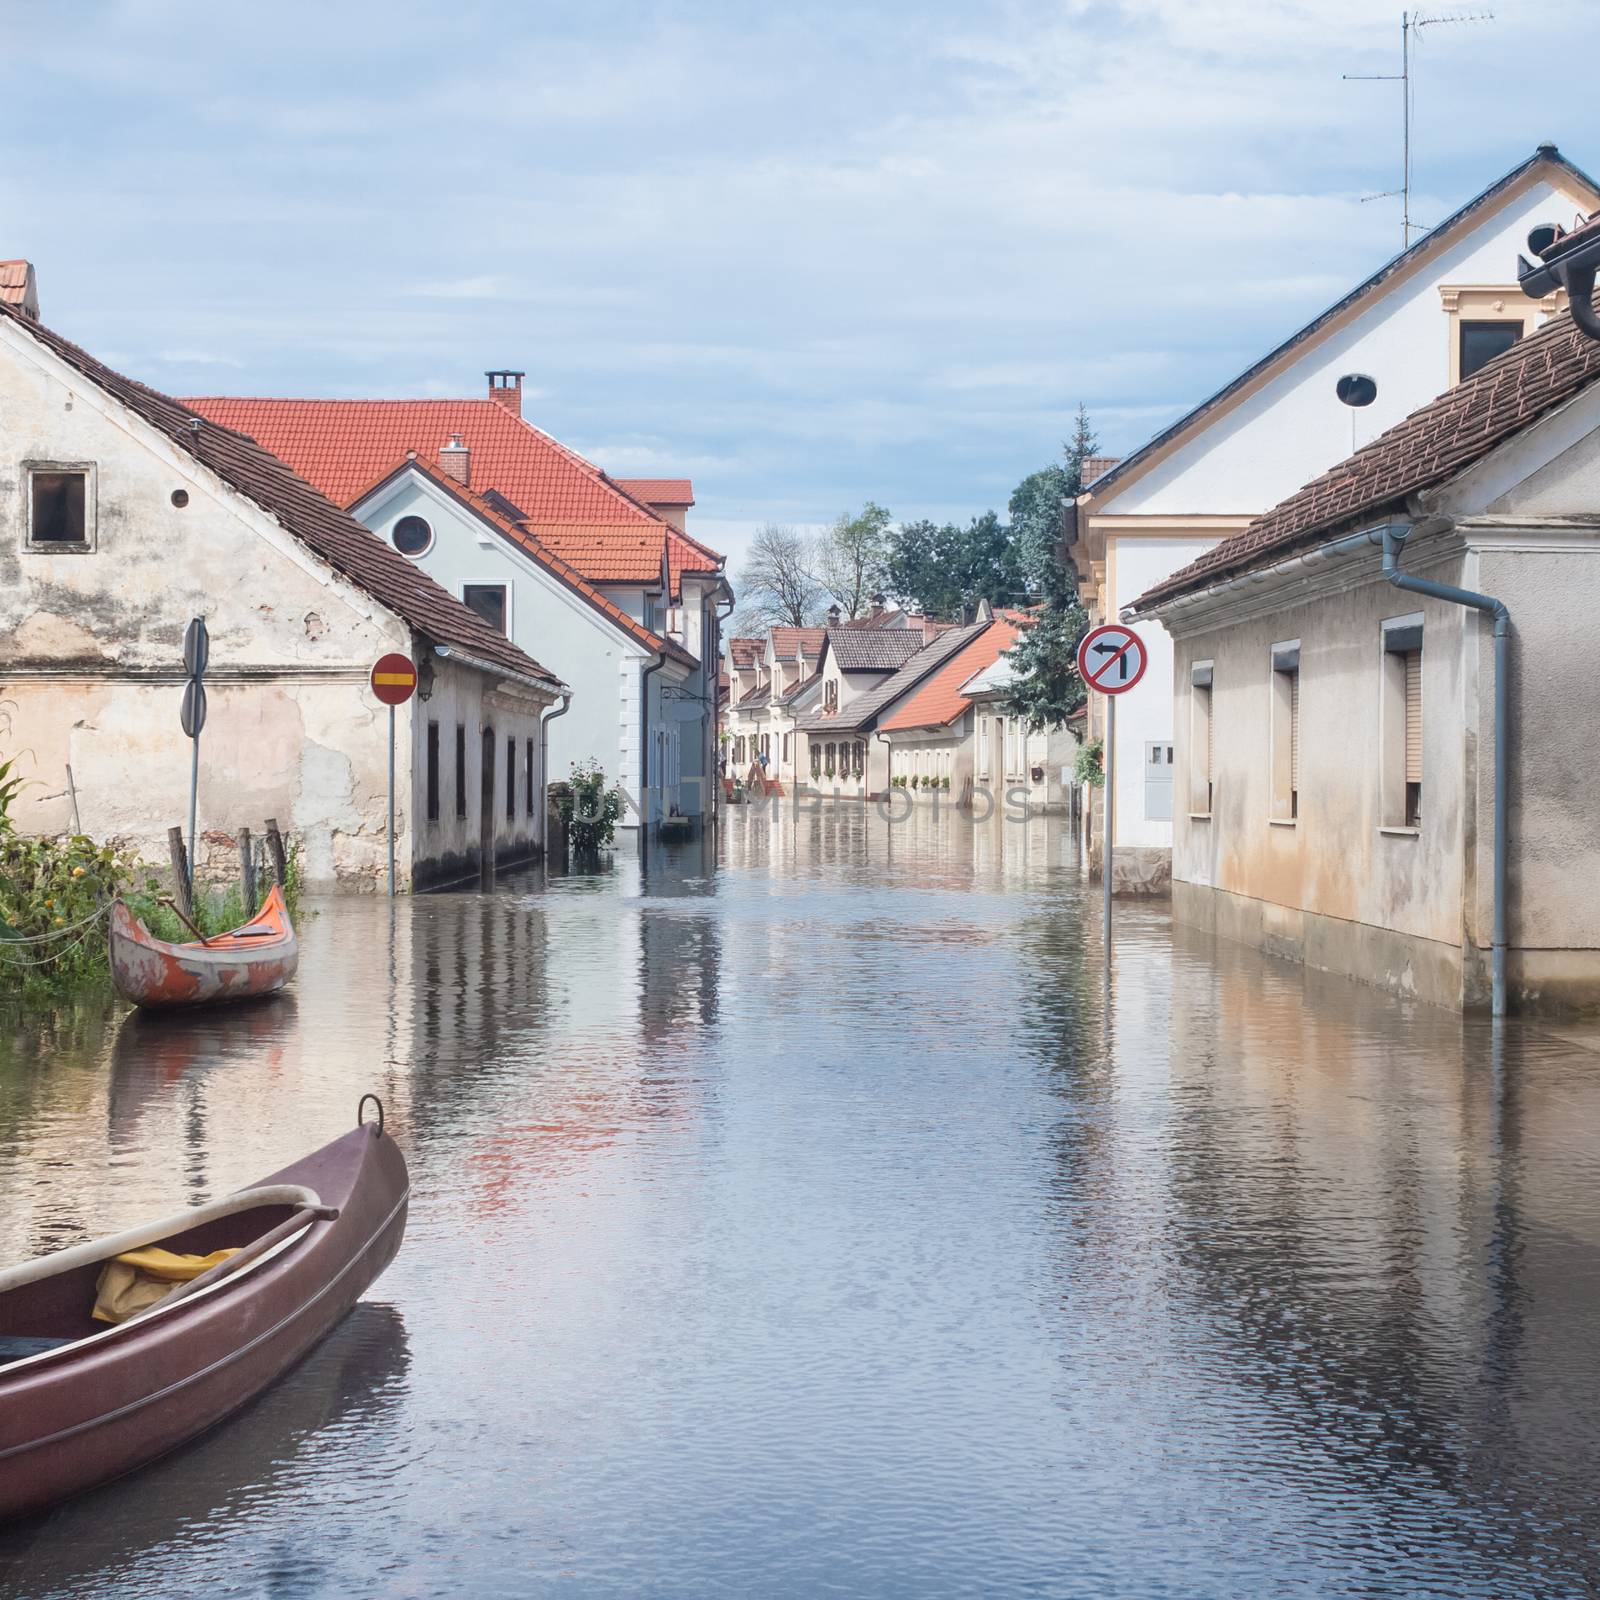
(1088, 765)
(590, 808)
(944, 783)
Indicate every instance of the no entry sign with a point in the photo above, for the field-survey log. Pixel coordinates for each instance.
(394, 679)
(1111, 658)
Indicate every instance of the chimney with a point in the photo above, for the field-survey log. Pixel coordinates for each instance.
(455, 459)
(985, 611)
(19, 287)
(505, 389)
(833, 615)
(878, 602)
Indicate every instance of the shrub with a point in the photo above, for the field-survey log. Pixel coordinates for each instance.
(1088, 765)
(590, 808)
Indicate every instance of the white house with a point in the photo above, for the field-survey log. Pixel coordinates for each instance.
(1351, 670)
(122, 515)
(623, 604)
(1425, 319)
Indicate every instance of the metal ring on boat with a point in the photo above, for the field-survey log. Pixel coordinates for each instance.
(361, 1112)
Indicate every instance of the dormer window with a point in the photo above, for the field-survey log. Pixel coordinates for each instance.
(61, 506)
(1481, 342)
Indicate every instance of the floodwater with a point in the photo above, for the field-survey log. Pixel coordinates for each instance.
(802, 1215)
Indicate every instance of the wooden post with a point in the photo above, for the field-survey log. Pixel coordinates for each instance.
(180, 871)
(280, 861)
(247, 874)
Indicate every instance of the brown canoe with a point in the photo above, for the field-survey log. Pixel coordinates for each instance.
(82, 1403)
(258, 957)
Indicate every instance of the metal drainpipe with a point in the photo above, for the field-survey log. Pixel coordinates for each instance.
(544, 764)
(644, 743)
(1394, 537)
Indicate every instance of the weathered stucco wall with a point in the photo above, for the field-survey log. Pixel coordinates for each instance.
(91, 673)
(1334, 861)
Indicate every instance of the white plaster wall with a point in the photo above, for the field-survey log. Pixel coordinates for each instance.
(1294, 427)
(557, 628)
(1145, 712)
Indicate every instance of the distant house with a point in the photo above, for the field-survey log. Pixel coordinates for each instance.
(862, 674)
(123, 514)
(1419, 324)
(777, 676)
(1335, 773)
(957, 734)
(608, 588)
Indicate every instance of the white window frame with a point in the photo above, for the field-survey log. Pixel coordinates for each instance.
(1284, 686)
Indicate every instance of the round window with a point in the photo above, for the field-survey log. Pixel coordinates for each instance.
(412, 536)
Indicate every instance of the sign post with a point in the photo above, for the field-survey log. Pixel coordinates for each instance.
(394, 681)
(1111, 660)
(196, 654)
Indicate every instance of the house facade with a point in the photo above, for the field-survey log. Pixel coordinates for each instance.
(777, 676)
(1337, 800)
(1422, 321)
(549, 550)
(123, 514)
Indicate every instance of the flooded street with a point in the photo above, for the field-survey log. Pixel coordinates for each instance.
(798, 1215)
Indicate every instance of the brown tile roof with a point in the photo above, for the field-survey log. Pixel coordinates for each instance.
(1393, 268)
(757, 696)
(746, 652)
(862, 711)
(18, 287)
(518, 534)
(872, 649)
(331, 534)
(1433, 444)
(799, 689)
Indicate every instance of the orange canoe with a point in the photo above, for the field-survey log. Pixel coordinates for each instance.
(258, 958)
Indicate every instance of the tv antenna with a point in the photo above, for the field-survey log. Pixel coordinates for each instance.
(1410, 22)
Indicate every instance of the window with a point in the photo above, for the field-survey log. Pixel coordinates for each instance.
(511, 780)
(983, 749)
(532, 792)
(60, 507)
(1158, 782)
(833, 759)
(830, 695)
(433, 772)
(461, 769)
(1200, 740)
(1400, 730)
(1481, 342)
(489, 601)
(1284, 733)
(412, 536)
(786, 749)
(816, 761)
(861, 758)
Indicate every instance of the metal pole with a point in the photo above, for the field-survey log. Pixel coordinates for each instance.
(194, 793)
(1111, 810)
(391, 802)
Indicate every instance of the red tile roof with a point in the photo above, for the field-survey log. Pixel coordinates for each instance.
(659, 491)
(329, 533)
(788, 642)
(939, 701)
(1433, 444)
(687, 555)
(927, 657)
(519, 535)
(746, 652)
(342, 446)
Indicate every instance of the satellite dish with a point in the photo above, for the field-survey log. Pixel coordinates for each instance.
(1356, 389)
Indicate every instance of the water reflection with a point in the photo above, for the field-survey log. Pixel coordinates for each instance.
(798, 1211)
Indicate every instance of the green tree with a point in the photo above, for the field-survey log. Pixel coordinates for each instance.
(940, 568)
(850, 560)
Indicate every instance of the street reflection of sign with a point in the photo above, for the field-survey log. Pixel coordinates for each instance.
(1111, 658)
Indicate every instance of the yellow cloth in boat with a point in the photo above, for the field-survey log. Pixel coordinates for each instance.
(137, 1279)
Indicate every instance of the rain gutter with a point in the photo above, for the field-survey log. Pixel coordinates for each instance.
(1572, 269)
(549, 685)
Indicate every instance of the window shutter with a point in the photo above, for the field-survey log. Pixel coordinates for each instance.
(1294, 730)
(1413, 661)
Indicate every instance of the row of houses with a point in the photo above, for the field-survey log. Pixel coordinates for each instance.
(556, 615)
(890, 700)
(1371, 628)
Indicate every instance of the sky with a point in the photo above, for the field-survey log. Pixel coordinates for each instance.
(806, 255)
